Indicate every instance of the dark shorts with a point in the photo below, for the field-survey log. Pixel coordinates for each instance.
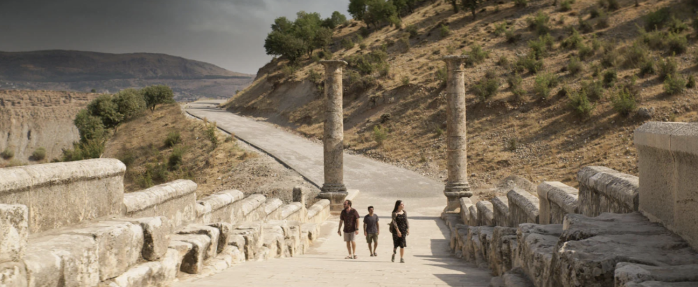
(399, 241)
(372, 237)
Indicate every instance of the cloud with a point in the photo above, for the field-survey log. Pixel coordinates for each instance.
(228, 33)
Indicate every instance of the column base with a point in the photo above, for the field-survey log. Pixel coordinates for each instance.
(453, 193)
(336, 195)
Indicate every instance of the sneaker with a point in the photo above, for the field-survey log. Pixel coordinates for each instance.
(402, 260)
(393, 259)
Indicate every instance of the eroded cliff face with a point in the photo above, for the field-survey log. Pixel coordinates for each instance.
(33, 119)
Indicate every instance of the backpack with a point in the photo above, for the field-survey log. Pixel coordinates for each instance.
(391, 227)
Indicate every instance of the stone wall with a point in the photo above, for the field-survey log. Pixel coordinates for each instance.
(319, 211)
(218, 207)
(63, 194)
(175, 200)
(602, 189)
(668, 186)
(556, 200)
(523, 207)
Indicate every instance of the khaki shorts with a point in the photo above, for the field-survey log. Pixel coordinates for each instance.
(372, 237)
(348, 236)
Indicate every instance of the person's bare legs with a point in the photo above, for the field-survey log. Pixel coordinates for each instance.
(402, 252)
(375, 245)
(349, 248)
(369, 248)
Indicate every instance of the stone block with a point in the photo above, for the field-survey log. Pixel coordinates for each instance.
(517, 278)
(312, 229)
(66, 193)
(602, 189)
(609, 239)
(559, 200)
(500, 205)
(627, 273)
(271, 208)
(193, 260)
(515, 181)
(523, 207)
(213, 234)
(536, 246)
(119, 245)
(63, 260)
(253, 234)
(218, 207)
(13, 274)
(156, 273)
(292, 211)
(465, 204)
(300, 195)
(475, 247)
(175, 200)
(685, 154)
(251, 208)
(274, 240)
(156, 235)
(225, 231)
(319, 211)
(500, 253)
(485, 213)
(14, 229)
(181, 247)
(474, 219)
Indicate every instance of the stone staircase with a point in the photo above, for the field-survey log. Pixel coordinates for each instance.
(615, 230)
(54, 232)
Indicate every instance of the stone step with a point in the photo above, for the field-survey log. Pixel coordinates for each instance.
(631, 274)
(536, 246)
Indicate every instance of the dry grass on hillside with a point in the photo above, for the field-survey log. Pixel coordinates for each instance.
(540, 139)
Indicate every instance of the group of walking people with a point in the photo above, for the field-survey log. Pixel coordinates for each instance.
(399, 227)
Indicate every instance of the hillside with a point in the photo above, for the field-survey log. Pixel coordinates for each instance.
(84, 71)
(524, 130)
(30, 120)
(229, 164)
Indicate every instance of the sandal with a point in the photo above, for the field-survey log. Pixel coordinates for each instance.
(355, 257)
(348, 257)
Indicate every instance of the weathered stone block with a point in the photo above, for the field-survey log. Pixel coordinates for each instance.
(175, 200)
(465, 204)
(627, 273)
(213, 234)
(602, 189)
(251, 208)
(515, 181)
(474, 218)
(193, 260)
(274, 240)
(536, 246)
(14, 229)
(312, 229)
(156, 235)
(225, 233)
(500, 205)
(181, 247)
(218, 207)
(319, 211)
(64, 194)
(292, 211)
(157, 273)
(119, 245)
(556, 200)
(63, 260)
(13, 274)
(610, 239)
(271, 208)
(500, 254)
(485, 213)
(517, 278)
(253, 234)
(523, 207)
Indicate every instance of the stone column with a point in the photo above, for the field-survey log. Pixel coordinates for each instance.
(333, 137)
(456, 153)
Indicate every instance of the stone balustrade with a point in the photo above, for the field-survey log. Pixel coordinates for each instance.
(556, 200)
(175, 200)
(602, 189)
(523, 207)
(218, 207)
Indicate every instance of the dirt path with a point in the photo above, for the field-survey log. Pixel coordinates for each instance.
(429, 262)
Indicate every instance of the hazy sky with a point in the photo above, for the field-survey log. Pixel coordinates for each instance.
(227, 33)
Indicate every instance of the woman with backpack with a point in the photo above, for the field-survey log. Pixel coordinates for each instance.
(400, 228)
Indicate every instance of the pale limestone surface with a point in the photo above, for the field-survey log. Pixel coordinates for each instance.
(556, 200)
(485, 213)
(64, 194)
(13, 274)
(250, 209)
(212, 233)
(536, 246)
(501, 252)
(627, 273)
(293, 211)
(218, 207)
(14, 230)
(156, 236)
(523, 207)
(271, 208)
(157, 273)
(175, 200)
(193, 260)
(602, 189)
(71, 260)
(465, 204)
(319, 211)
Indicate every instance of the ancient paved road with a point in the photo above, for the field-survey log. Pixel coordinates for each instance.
(428, 260)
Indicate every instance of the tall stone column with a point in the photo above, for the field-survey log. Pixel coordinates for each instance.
(457, 185)
(333, 137)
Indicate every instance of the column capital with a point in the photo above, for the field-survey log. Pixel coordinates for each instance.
(331, 63)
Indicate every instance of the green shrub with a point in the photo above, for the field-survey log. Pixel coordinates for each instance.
(595, 12)
(500, 29)
(476, 55)
(7, 154)
(405, 43)
(130, 103)
(173, 138)
(511, 36)
(412, 30)
(314, 77)
(503, 62)
(156, 95)
(584, 51)
(610, 77)
(405, 80)
(380, 134)
(574, 66)
(602, 21)
(635, 54)
(676, 25)
(593, 90)
(611, 5)
(289, 70)
(362, 46)
(514, 81)
(39, 154)
(579, 103)
(610, 58)
(674, 84)
(656, 19)
(487, 88)
(540, 47)
(347, 43)
(654, 39)
(544, 83)
(15, 162)
(565, 6)
(677, 43)
(520, 3)
(647, 68)
(210, 133)
(584, 26)
(691, 82)
(596, 43)
(667, 67)
(529, 63)
(573, 40)
(175, 161)
(441, 75)
(539, 23)
(128, 158)
(444, 31)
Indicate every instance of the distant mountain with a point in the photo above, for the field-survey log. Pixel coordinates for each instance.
(84, 71)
